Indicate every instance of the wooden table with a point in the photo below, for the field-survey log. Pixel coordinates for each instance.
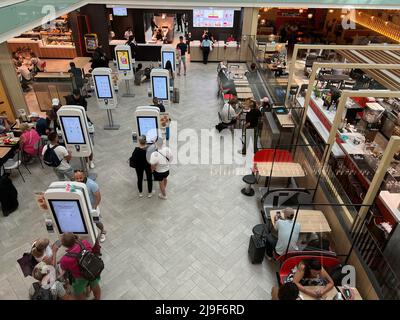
(280, 169)
(327, 296)
(310, 221)
(4, 151)
(285, 120)
(243, 90)
(245, 95)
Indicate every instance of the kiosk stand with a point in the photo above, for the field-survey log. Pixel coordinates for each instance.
(125, 66)
(159, 79)
(70, 210)
(75, 132)
(105, 95)
(147, 123)
(168, 53)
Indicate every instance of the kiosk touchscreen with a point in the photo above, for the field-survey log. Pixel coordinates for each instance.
(160, 84)
(106, 98)
(124, 62)
(148, 122)
(70, 209)
(168, 53)
(75, 132)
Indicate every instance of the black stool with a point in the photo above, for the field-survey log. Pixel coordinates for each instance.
(249, 179)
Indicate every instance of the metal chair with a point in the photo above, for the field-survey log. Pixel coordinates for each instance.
(12, 164)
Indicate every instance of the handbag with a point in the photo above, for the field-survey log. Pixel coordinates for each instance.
(27, 263)
(132, 163)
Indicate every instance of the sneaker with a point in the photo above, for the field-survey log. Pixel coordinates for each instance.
(140, 195)
(91, 165)
(149, 195)
(102, 238)
(162, 197)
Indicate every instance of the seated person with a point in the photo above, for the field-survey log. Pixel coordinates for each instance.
(41, 124)
(287, 291)
(159, 104)
(159, 35)
(228, 115)
(47, 279)
(29, 141)
(311, 273)
(37, 64)
(230, 38)
(139, 74)
(283, 226)
(265, 105)
(4, 124)
(26, 76)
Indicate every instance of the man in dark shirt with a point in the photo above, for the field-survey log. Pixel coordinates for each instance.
(183, 48)
(252, 118)
(76, 99)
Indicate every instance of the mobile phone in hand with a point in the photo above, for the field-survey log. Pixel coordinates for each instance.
(58, 243)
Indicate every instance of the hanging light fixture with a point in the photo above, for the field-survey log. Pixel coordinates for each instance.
(301, 10)
(330, 10)
(309, 16)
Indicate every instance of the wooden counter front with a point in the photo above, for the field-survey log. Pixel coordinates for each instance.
(54, 51)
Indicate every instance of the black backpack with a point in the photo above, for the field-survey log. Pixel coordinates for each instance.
(50, 157)
(89, 264)
(41, 293)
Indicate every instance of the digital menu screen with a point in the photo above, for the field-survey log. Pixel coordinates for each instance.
(168, 56)
(148, 127)
(103, 86)
(123, 12)
(123, 61)
(72, 129)
(213, 18)
(160, 87)
(68, 216)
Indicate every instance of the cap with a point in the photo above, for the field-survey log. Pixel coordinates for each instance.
(55, 102)
(34, 115)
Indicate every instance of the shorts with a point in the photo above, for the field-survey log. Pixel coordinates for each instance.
(160, 176)
(79, 285)
(183, 59)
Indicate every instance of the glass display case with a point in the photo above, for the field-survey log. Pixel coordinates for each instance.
(57, 39)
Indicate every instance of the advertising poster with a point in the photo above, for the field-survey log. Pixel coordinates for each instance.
(123, 60)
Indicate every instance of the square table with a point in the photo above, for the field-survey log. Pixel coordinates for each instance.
(245, 95)
(280, 169)
(327, 296)
(243, 90)
(285, 120)
(310, 221)
(4, 151)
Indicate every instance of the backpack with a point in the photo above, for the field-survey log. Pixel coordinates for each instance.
(50, 157)
(41, 293)
(89, 264)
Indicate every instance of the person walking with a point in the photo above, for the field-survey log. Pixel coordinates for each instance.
(182, 48)
(160, 160)
(58, 157)
(206, 46)
(95, 197)
(139, 160)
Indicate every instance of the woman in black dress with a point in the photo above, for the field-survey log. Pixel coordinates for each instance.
(142, 166)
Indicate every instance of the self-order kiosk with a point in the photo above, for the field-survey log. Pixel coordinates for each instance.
(70, 210)
(168, 53)
(125, 66)
(74, 128)
(147, 123)
(160, 84)
(106, 98)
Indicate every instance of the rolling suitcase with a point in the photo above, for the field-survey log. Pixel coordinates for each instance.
(176, 95)
(256, 249)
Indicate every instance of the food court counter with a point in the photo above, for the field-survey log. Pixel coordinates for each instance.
(42, 50)
(144, 51)
(220, 51)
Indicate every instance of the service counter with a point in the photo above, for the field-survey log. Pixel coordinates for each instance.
(144, 51)
(220, 52)
(49, 85)
(41, 50)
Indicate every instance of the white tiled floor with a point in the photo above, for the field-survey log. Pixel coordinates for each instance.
(191, 246)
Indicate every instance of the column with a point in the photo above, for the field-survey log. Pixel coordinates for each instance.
(249, 28)
(11, 83)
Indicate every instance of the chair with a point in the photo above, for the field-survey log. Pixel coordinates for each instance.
(250, 179)
(12, 164)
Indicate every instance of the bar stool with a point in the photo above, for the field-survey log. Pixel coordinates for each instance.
(250, 179)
